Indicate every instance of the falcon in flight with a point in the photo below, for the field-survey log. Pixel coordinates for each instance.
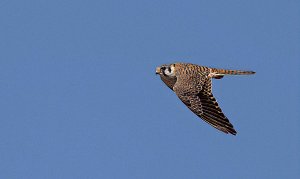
(192, 84)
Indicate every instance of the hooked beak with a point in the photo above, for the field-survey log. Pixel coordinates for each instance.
(158, 70)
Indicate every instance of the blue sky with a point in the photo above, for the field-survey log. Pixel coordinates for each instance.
(80, 98)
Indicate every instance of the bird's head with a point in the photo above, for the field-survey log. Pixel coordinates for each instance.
(166, 70)
(167, 74)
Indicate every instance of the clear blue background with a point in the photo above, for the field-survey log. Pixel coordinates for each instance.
(80, 98)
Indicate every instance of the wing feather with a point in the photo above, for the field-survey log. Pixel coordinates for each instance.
(205, 106)
(196, 94)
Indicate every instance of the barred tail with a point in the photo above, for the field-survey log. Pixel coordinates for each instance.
(219, 73)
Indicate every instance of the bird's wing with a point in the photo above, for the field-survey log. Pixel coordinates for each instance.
(204, 105)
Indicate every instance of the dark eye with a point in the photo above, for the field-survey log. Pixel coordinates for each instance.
(169, 69)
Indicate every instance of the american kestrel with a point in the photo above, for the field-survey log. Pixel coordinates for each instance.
(192, 84)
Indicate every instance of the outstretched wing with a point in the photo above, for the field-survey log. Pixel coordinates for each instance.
(204, 105)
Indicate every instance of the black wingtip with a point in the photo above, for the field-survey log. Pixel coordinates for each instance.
(228, 131)
(231, 131)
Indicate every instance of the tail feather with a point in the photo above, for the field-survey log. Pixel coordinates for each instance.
(219, 73)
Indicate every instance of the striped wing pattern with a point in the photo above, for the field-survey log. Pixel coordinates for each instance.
(205, 106)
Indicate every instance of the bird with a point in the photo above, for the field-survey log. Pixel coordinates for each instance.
(193, 85)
